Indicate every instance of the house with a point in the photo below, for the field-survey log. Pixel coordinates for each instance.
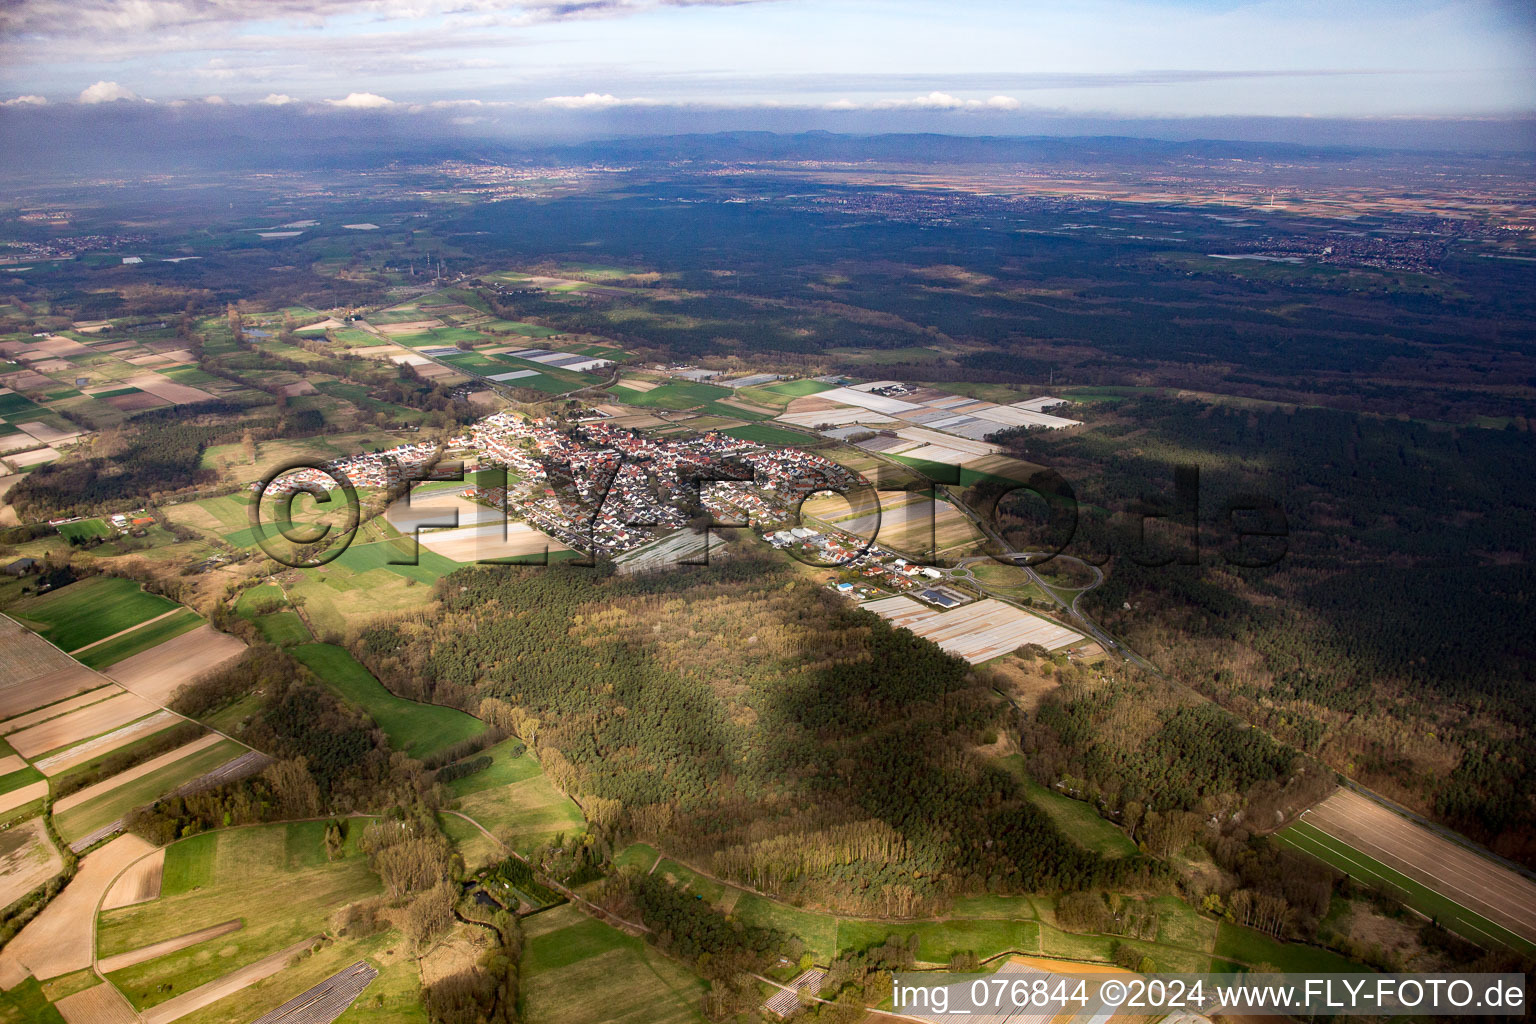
(21, 567)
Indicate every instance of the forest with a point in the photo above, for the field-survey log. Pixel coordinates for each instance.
(1392, 639)
(759, 726)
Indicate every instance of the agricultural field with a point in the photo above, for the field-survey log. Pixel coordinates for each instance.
(273, 878)
(577, 970)
(977, 632)
(767, 434)
(86, 817)
(158, 672)
(34, 673)
(418, 729)
(1462, 891)
(89, 610)
(147, 637)
(28, 858)
(672, 395)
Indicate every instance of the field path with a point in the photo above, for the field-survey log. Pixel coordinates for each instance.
(587, 905)
(1454, 871)
(107, 785)
(178, 1007)
(180, 942)
(130, 629)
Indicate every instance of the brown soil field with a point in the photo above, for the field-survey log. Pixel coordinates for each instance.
(61, 938)
(11, 763)
(1454, 871)
(100, 1005)
(408, 327)
(83, 752)
(164, 387)
(179, 1006)
(32, 671)
(23, 796)
(157, 673)
(139, 771)
(79, 725)
(135, 401)
(63, 707)
(159, 949)
(28, 858)
(139, 884)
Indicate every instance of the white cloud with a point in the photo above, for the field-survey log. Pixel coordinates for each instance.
(217, 101)
(931, 101)
(362, 101)
(25, 101)
(591, 101)
(278, 99)
(106, 92)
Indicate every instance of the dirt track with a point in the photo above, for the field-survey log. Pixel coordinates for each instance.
(63, 707)
(82, 752)
(123, 778)
(138, 884)
(179, 1006)
(60, 938)
(158, 949)
(157, 673)
(1475, 882)
(25, 795)
(79, 725)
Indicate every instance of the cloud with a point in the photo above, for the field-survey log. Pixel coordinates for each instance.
(217, 101)
(25, 101)
(592, 101)
(278, 99)
(362, 101)
(106, 92)
(931, 101)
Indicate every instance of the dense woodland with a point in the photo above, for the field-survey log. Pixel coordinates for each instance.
(1392, 639)
(752, 722)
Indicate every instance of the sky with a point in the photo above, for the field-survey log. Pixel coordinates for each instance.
(971, 66)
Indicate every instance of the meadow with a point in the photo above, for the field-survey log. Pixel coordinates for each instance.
(577, 970)
(274, 878)
(418, 729)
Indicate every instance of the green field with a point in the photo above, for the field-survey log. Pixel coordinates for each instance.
(274, 878)
(89, 610)
(507, 767)
(184, 620)
(1446, 912)
(768, 435)
(576, 970)
(797, 388)
(1073, 818)
(88, 817)
(19, 778)
(85, 529)
(673, 395)
(418, 729)
(938, 940)
(381, 555)
(515, 802)
(1249, 946)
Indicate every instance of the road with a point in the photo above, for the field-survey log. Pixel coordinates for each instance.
(1021, 559)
